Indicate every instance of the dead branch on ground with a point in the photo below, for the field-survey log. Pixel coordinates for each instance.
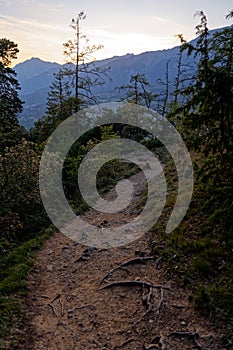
(55, 298)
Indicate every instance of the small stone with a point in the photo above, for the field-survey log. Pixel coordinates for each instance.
(50, 252)
(137, 279)
(50, 268)
(183, 323)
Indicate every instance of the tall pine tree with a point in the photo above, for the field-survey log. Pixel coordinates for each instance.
(10, 103)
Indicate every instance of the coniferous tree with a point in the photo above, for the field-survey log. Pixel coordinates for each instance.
(10, 103)
(138, 90)
(85, 74)
(206, 117)
(59, 96)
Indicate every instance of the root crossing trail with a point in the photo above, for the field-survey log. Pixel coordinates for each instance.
(120, 298)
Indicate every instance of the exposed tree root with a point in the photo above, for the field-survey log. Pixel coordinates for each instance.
(123, 344)
(193, 335)
(127, 263)
(147, 299)
(85, 255)
(156, 343)
(161, 300)
(161, 342)
(134, 283)
(151, 347)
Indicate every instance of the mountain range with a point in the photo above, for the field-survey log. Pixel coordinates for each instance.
(35, 77)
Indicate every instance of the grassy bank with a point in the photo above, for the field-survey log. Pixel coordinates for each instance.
(16, 262)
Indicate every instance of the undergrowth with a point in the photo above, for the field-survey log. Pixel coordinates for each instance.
(199, 252)
(16, 261)
(17, 258)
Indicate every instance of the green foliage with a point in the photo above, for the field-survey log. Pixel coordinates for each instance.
(9, 310)
(227, 337)
(10, 104)
(15, 264)
(107, 176)
(60, 91)
(152, 143)
(43, 128)
(138, 90)
(199, 251)
(60, 105)
(205, 120)
(21, 209)
(8, 51)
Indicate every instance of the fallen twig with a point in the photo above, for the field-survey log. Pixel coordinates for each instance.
(42, 296)
(127, 263)
(178, 306)
(55, 298)
(62, 308)
(51, 306)
(59, 317)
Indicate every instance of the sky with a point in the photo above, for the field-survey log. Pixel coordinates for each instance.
(40, 27)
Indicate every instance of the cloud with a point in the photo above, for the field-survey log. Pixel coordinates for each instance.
(7, 3)
(129, 42)
(34, 38)
(129, 38)
(24, 23)
(160, 19)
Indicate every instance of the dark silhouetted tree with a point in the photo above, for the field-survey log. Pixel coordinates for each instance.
(10, 103)
(85, 73)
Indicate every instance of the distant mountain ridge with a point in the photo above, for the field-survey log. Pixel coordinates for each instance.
(33, 67)
(35, 77)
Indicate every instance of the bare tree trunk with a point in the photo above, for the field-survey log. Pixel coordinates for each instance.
(167, 89)
(77, 68)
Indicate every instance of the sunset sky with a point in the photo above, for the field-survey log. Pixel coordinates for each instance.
(123, 26)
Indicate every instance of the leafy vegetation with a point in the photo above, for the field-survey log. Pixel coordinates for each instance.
(199, 252)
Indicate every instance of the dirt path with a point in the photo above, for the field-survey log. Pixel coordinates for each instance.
(67, 307)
